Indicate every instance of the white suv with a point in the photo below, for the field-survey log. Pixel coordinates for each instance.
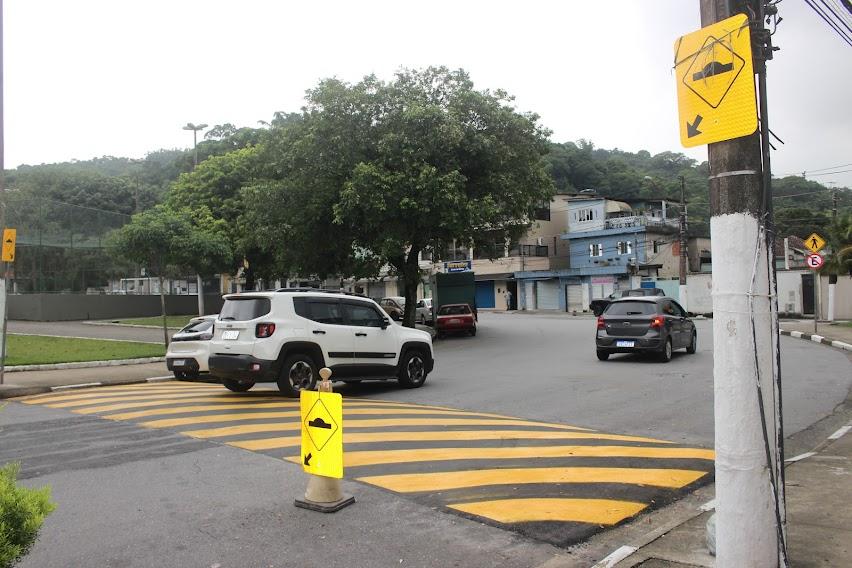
(286, 336)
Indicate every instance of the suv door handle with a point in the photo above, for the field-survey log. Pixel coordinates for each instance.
(360, 334)
(319, 332)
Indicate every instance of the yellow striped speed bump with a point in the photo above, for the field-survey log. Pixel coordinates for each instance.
(555, 482)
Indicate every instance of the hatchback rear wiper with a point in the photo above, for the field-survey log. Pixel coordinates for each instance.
(226, 318)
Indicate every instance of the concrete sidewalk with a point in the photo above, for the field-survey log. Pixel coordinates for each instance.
(838, 334)
(33, 382)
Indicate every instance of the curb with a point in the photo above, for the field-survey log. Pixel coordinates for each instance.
(84, 364)
(113, 324)
(817, 339)
(9, 391)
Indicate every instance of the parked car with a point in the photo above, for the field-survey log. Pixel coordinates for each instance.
(424, 311)
(598, 306)
(644, 325)
(189, 348)
(394, 306)
(455, 318)
(287, 335)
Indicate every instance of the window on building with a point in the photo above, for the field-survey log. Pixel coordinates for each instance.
(624, 247)
(596, 250)
(542, 211)
(585, 214)
(657, 245)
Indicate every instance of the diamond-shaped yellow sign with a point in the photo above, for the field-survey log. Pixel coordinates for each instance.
(9, 238)
(715, 83)
(814, 243)
(322, 433)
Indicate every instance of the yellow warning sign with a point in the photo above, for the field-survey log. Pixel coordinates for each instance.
(814, 243)
(322, 433)
(9, 238)
(715, 83)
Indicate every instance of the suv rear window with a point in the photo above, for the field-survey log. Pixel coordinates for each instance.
(631, 309)
(198, 326)
(243, 309)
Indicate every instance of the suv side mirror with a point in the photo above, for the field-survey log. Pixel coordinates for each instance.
(385, 323)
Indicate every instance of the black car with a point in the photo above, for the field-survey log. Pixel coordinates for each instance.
(598, 306)
(644, 325)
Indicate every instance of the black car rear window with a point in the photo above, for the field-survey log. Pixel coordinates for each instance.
(198, 326)
(453, 310)
(631, 309)
(243, 309)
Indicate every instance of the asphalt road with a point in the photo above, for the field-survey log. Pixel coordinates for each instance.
(544, 367)
(134, 496)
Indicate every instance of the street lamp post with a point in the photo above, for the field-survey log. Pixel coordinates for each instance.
(199, 283)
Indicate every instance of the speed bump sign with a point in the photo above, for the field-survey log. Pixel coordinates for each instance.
(9, 238)
(715, 83)
(322, 433)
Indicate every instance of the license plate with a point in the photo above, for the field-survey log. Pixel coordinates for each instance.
(178, 362)
(230, 334)
(624, 343)
(454, 321)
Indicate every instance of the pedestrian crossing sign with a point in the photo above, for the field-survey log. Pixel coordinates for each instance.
(814, 243)
(322, 433)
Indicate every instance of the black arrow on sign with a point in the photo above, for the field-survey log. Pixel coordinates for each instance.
(692, 129)
(308, 459)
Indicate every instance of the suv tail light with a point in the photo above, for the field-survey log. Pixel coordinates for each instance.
(658, 321)
(264, 330)
(601, 324)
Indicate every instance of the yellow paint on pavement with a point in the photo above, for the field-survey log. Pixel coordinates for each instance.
(104, 392)
(596, 511)
(443, 481)
(444, 435)
(377, 457)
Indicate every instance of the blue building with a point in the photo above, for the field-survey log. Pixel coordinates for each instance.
(613, 245)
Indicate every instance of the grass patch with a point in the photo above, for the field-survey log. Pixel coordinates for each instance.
(39, 350)
(157, 321)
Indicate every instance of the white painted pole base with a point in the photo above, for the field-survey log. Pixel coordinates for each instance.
(200, 295)
(746, 535)
(682, 296)
(831, 288)
(324, 494)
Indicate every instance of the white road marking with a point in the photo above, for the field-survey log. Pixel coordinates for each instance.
(616, 556)
(708, 506)
(840, 432)
(800, 457)
(78, 386)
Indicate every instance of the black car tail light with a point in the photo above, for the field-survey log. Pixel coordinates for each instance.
(264, 330)
(601, 324)
(658, 321)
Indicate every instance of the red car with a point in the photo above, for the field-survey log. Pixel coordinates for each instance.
(455, 318)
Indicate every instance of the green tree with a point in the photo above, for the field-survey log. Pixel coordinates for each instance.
(377, 172)
(168, 241)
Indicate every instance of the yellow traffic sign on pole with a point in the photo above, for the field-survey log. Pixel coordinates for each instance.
(9, 238)
(814, 243)
(322, 433)
(715, 83)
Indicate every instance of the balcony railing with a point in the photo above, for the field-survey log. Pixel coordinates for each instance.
(528, 250)
(638, 221)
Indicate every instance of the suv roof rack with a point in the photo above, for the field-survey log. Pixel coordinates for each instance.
(321, 290)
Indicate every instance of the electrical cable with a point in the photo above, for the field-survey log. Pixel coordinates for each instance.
(827, 20)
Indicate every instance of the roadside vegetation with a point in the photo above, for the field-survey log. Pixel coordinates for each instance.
(157, 321)
(40, 350)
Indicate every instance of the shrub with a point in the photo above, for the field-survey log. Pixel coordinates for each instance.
(22, 511)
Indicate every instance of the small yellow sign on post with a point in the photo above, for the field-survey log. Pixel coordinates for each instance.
(715, 83)
(9, 238)
(814, 243)
(322, 433)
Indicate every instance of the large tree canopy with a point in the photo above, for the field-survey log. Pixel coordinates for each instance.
(376, 172)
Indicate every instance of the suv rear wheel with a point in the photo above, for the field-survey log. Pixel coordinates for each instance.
(298, 373)
(412, 369)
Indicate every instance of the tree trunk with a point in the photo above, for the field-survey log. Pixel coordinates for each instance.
(411, 278)
(163, 308)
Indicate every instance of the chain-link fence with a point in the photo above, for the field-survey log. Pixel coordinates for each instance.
(62, 247)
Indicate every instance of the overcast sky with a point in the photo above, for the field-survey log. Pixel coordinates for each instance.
(120, 77)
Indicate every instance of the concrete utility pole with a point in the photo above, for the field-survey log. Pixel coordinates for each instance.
(682, 289)
(199, 282)
(748, 517)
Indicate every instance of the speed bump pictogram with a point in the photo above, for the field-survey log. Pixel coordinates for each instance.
(322, 436)
(715, 83)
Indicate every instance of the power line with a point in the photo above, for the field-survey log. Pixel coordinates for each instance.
(845, 37)
(823, 169)
(830, 173)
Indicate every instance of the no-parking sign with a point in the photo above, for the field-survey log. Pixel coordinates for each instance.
(814, 261)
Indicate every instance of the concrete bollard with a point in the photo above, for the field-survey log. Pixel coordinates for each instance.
(324, 494)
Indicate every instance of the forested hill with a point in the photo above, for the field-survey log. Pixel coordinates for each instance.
(619, 174)
(124, 185)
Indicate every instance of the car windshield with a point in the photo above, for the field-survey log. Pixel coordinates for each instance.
(631, 309)
(242, 309)
(197, 326)
(453, 310)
